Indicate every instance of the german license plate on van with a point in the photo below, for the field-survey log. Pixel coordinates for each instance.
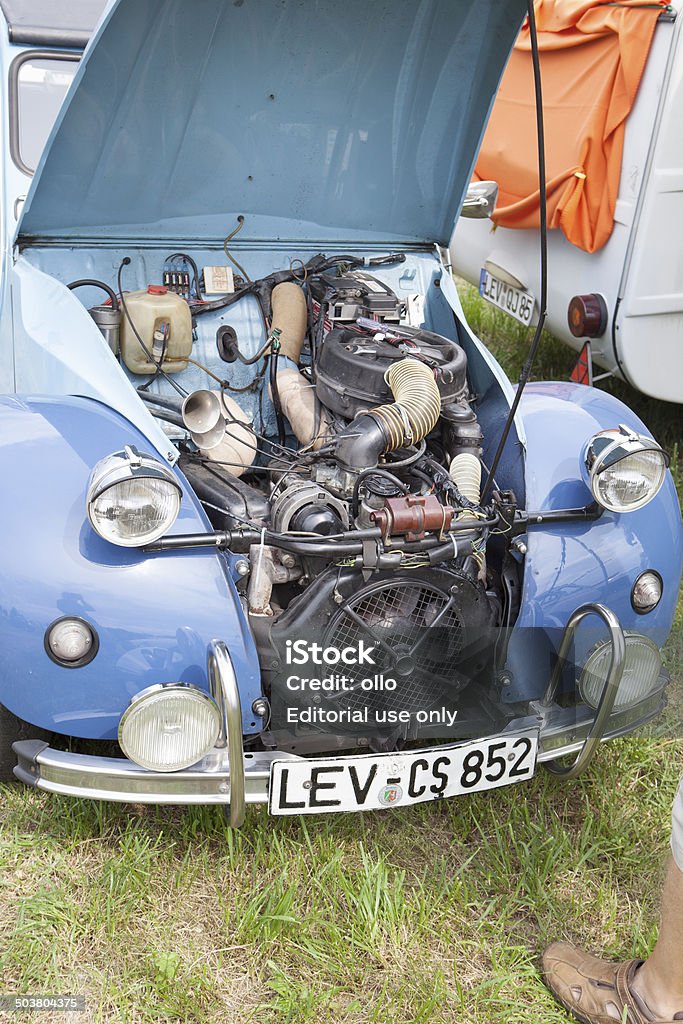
(517, 302)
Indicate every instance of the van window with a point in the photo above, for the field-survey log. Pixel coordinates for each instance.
(38, 84)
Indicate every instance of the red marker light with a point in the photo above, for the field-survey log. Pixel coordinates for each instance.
(587, 316)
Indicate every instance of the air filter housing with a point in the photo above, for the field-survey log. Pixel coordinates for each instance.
(350, 374)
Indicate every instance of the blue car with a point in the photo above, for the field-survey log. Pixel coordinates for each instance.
(273, 531)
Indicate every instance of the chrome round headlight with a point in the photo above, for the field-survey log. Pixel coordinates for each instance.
(625, 469)
(133, 499)
(642, 665)
(169, 726)
(647, 592)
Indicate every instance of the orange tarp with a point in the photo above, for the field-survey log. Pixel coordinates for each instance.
(592, 59)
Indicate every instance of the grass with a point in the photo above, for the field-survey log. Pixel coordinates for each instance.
(437, 913)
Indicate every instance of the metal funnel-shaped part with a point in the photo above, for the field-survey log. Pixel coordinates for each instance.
(203, 415)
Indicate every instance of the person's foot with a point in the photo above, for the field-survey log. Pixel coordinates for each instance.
(595, 991)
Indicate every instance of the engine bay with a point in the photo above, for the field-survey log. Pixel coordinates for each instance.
(324, 416)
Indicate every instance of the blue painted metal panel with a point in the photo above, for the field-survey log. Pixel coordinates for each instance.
(304, 117)
(60, 351)
(154, 614)
(571, 563)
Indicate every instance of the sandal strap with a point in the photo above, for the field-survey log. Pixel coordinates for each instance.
(623, 977)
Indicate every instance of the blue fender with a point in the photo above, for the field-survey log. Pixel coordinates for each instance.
(154, 614)
(569, 564)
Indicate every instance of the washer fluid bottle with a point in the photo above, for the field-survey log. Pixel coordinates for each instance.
(164, 322)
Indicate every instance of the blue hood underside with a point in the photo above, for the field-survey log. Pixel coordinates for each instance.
(312, 119)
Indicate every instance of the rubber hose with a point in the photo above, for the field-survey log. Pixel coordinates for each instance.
(290, 317)
(298, 401)
(91, 282)
(288, 389)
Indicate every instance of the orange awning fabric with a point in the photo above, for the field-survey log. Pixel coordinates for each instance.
(592, 59)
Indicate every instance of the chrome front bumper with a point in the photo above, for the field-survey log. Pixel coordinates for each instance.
(209, 781)
(233, 778)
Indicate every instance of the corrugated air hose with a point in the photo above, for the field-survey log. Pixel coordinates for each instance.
(385, 428)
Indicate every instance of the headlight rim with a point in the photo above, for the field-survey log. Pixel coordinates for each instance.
(129, 464)
(620, 443)
(147, 692)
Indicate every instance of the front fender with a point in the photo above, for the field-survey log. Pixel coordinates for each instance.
(154, 614)
(569, 564)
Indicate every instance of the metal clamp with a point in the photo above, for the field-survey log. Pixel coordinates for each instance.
(609, 690)
(223, 685)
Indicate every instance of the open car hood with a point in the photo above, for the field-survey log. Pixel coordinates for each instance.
(314, 119)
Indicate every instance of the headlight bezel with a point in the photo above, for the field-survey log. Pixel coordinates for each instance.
(150, 692)
(126, 466)
(607, 449)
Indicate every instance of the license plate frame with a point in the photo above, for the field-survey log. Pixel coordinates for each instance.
(363, 782)
(519, 303)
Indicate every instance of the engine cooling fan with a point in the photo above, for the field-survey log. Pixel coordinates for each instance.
(418, 632)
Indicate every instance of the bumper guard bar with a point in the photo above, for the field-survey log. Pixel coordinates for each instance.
(223, 686)
(609, 690)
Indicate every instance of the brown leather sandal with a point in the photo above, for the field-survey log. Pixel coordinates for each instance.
(593, 990)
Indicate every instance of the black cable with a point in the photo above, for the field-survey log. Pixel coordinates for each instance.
(614, 343)
(387, 261)
(262, 287)
(310, 329)
(385, 474)
(526, 370)
(277, 404)
(91, 282)
(217, 304)
(442, 478)
(275, 393)
(124, 263)
(245, 360)
(143, 387)
(420, 475)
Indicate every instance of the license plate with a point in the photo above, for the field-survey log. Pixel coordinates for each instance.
(518, 302)
(370, 782)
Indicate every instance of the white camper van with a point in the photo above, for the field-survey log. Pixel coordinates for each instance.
(628, 295)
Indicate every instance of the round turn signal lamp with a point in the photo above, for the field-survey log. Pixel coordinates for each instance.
(71, 641)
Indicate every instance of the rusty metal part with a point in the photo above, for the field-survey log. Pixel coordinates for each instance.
(267, 570)
(413, 516)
